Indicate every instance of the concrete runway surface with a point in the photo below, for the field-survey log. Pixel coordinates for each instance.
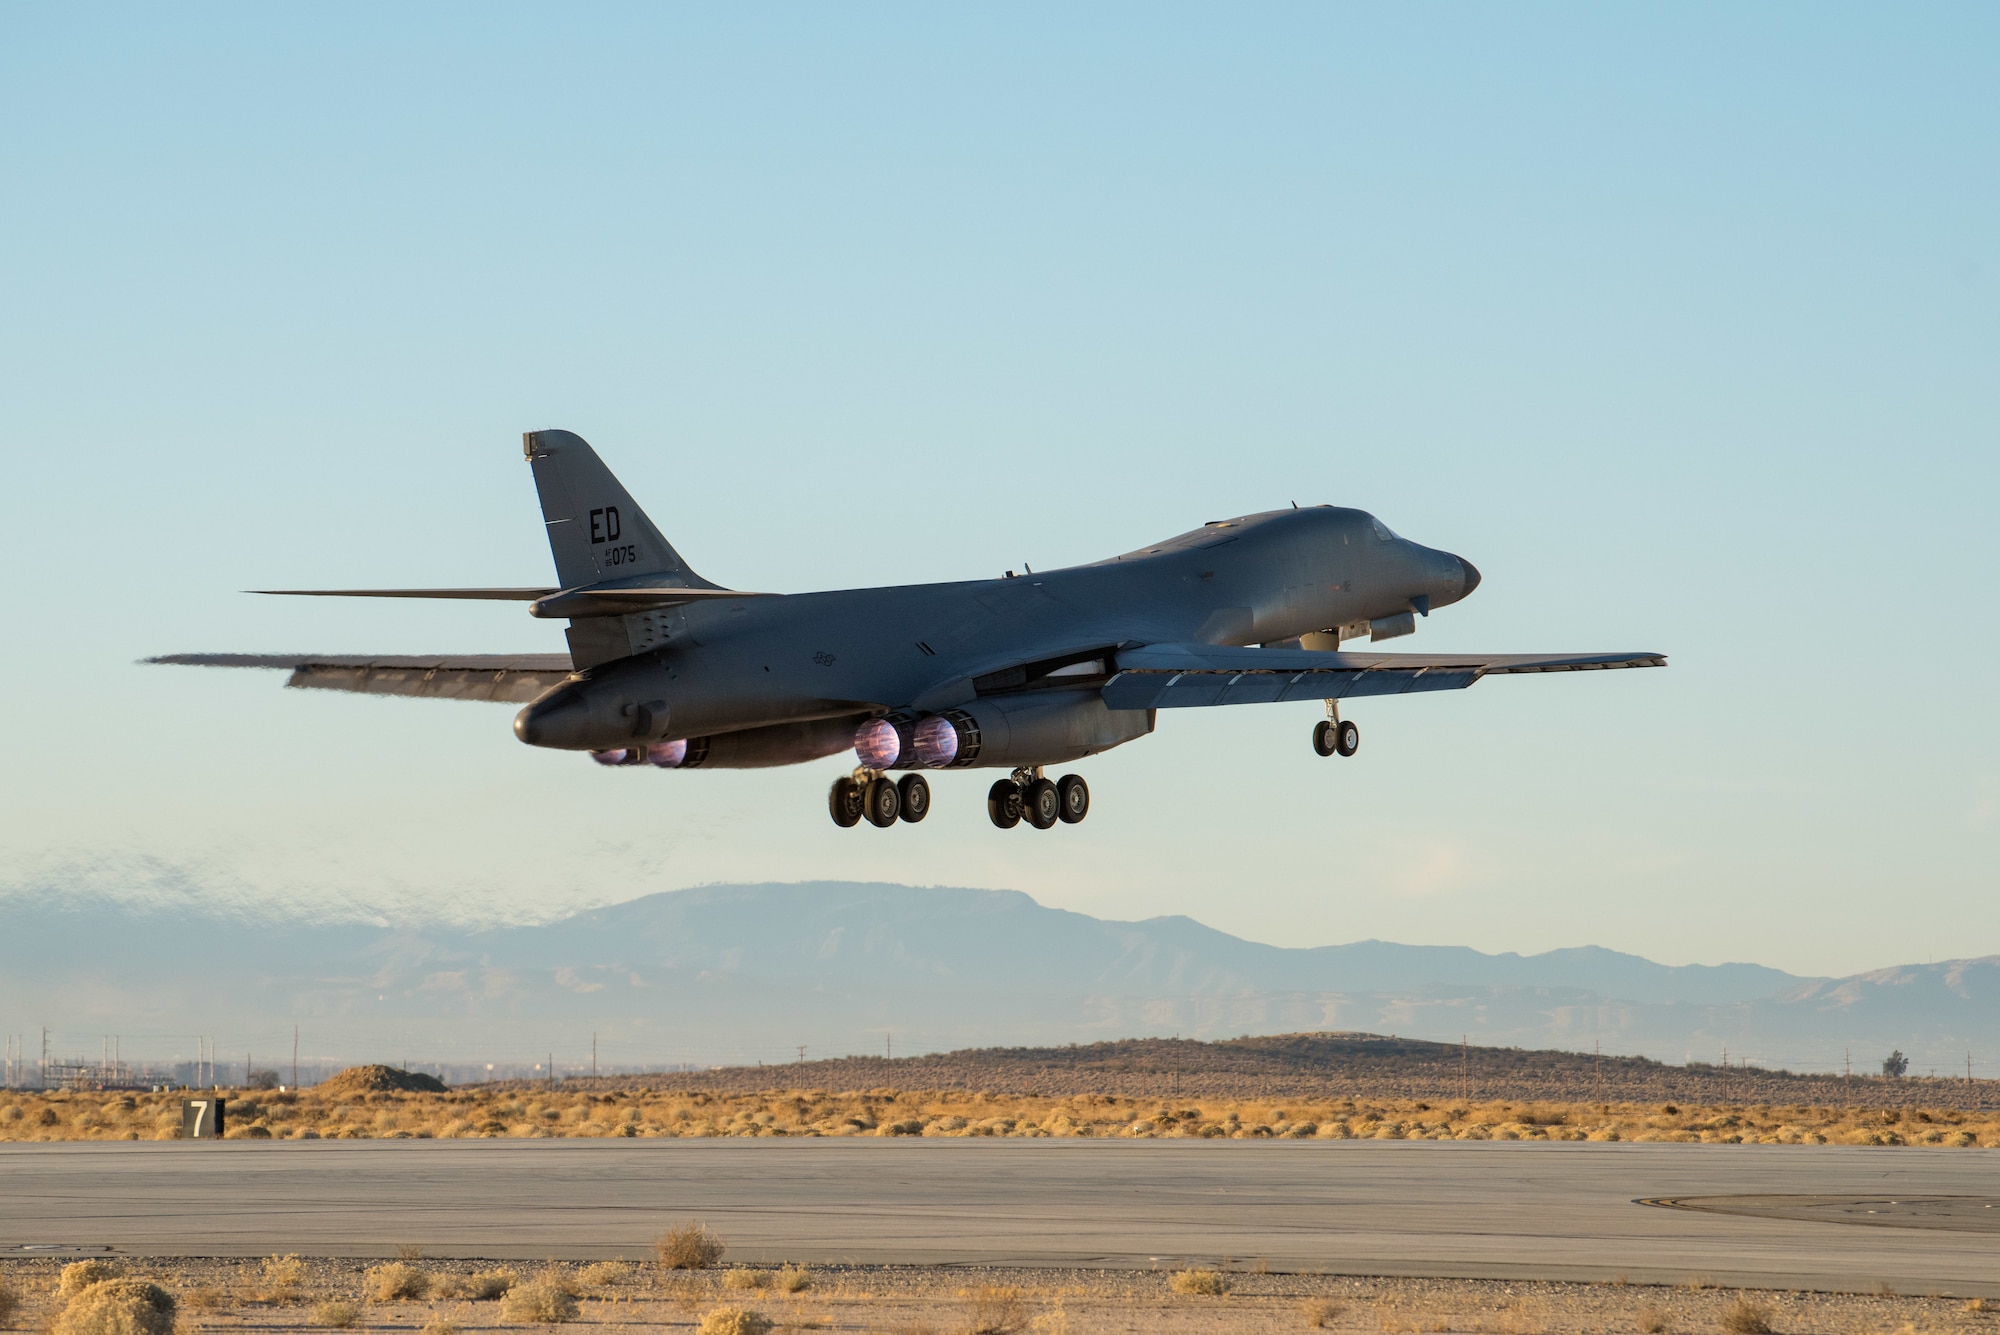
(1775, 1216)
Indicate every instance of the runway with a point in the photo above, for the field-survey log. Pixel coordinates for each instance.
(1463, 1209)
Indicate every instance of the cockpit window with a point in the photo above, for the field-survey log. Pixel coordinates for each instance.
(1381, 529)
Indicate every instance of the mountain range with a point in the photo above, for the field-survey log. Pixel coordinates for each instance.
(742, 973)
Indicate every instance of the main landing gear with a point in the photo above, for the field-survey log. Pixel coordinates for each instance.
(877, 798)
(1332, 737)
(1030, 795)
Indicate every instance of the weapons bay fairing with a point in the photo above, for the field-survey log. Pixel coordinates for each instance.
(666, 669)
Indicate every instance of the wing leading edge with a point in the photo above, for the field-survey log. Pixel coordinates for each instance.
(1181, 676)
(513, 678)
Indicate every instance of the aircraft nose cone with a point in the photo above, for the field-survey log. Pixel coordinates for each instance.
(1471, 576)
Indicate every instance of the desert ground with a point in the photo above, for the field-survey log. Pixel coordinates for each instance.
(351, 1112)
(428, 1297)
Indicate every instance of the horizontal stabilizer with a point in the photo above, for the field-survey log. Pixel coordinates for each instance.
(1178, 676)
(514, 678)
(584, 602)
(483, 595)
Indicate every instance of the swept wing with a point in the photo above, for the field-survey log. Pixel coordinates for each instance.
(1181, 676)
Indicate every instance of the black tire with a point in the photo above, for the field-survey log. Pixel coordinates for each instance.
(1348, 738)
(1323, 740)
(1041, 804)
(915, 793)
(883, 804)
(843, 802)
(1072, 798)
(1003, 803)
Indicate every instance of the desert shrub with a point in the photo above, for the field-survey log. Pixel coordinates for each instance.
(609, 1274)
(10, 1304)
(337, 1315)
(994, 1310)
(794, 1279)
(537, 1301)
(734, 1321)
(1747, 1318)
(1209, 1283)
(394, 1282)
(1320, 1312)
(1652, 1321)
(441, 1325)
(486, 1285)
(208, 1298)
(688, 1246)
(80, 1275)
(748, 1279)
(118, 1307)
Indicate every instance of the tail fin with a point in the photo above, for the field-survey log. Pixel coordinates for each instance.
(597, 531)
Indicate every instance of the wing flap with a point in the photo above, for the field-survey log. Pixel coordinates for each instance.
(510, 678)
(1180, 676)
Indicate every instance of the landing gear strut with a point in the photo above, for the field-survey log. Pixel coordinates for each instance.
(1334, 737)
(1029, 794)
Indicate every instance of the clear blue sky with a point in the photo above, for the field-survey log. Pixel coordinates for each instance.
(1679, 320)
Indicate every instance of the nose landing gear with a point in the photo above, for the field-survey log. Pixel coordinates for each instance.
(1334, 737)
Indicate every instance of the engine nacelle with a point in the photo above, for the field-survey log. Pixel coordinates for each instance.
(1001, 732)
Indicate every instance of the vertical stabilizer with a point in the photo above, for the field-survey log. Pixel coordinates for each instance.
(597, 532)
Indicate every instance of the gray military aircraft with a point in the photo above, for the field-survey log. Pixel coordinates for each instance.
(1020, 673)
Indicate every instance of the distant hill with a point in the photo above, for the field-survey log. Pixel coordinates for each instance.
(727, 974)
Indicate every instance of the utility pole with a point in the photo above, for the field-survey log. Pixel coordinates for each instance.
(295, 1057)
(1465, 1067)
(552, 1070)
(802, 1054)
(593, 1054)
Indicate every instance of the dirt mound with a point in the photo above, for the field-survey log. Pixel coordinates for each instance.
(380, 1080)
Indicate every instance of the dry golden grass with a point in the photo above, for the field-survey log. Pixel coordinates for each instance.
(395, 1281)
(474, 1113)
(339, 1314)
(1207, 1283)
(994, 1309)
(794, 1279)
(1651, 1321)
(118, 1307)
(1320, 1312)
(539, 1301)
(1747, 1318)
(208, 1299)
(441, 1325)
(688, 1246)
(609, 1274)
(748, 1279)
(80, 1275)
(734, 1321)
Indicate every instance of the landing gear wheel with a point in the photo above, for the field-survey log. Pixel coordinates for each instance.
(1003, 803)
(1072, 798)
(883, 803)
(1347, 738)
(843, 800)
(915, 793)
(1042, 804)
(1323, 738)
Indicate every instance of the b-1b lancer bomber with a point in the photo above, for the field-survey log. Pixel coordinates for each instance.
(1019, 674)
